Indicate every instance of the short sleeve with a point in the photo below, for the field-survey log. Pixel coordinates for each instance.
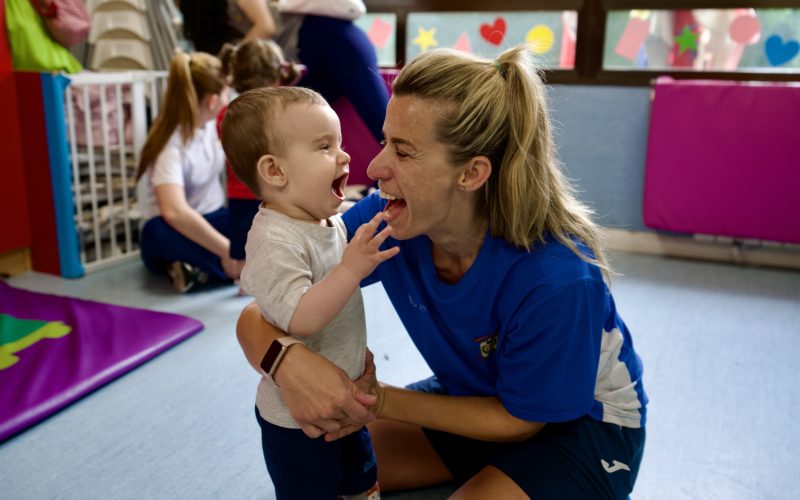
(168, 167)
(548, 354)
(277, 282)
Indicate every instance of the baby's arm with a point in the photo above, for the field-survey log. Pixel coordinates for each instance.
(323, 301)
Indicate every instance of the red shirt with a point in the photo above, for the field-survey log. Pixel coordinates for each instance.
(236, 188)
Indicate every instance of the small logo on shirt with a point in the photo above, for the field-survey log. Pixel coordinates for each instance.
(487, 344)
(416, 305)
(615, 467)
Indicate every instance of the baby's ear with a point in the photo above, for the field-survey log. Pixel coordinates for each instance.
(270, 172)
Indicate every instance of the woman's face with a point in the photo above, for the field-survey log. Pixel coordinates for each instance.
(413, 167)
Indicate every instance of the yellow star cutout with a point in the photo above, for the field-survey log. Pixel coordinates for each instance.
(425, 39)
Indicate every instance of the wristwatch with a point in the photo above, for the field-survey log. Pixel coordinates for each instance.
(275, 353)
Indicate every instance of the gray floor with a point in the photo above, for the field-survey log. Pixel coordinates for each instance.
(720, 345)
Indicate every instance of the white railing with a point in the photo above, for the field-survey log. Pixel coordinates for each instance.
(107, 119)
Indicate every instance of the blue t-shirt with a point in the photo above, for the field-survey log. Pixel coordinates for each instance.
(538, 330)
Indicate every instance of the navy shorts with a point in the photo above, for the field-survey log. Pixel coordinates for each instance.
(241, 212)
(579, 459)
(303, 468)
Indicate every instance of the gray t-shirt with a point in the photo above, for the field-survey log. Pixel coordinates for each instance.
(284, 258)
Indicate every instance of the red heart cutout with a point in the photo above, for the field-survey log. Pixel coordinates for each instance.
(494, 33)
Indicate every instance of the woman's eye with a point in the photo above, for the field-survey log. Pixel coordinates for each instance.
(401, 154)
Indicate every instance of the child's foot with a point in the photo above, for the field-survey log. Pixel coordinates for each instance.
(185, 276)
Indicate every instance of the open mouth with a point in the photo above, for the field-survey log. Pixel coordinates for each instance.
(394, 205)
(337, 188)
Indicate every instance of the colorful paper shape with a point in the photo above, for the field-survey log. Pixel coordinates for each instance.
(425, 38)
(632, 39)
(379, 33)
(494, 33)
(745, 29)
(463, 44)
(779, 52)
(540, 39)
(687, 40)
(63, 348)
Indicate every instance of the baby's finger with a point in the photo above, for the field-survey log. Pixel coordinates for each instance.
(388, 254)
(379, 238)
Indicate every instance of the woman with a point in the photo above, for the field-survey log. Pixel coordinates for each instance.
(501, 284)
(180, 169)
(339, 58)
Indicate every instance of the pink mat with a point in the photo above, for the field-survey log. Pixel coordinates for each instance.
(723, 158)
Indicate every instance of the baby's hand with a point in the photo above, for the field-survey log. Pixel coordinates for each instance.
(363, 253)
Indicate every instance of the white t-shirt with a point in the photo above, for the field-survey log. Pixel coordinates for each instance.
(285, 257)
(197, 166)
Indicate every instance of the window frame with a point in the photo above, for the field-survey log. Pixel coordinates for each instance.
(592, 16)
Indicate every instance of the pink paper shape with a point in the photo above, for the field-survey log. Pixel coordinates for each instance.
(632, 38)
(462, 43)
(379, 33)
(745, 29)
(722, 159)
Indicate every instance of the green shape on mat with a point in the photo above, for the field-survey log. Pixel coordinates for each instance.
(16, 334)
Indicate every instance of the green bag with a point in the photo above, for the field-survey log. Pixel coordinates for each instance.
(32, 49)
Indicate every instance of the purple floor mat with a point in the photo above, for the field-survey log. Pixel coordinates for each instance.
(54, 350)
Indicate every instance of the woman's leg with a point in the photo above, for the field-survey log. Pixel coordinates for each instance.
(406, 458)
(161, 245)
(341, 61)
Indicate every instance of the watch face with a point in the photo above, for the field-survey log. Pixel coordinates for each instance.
(271, 356)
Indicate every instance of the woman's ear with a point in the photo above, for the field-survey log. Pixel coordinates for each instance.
(270, 172)
(475, 174)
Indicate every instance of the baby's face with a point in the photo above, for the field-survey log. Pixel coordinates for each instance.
(316, 164)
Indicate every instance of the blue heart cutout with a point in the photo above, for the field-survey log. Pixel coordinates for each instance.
(778, 51)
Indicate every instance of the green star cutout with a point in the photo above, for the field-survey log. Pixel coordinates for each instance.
(686, 40)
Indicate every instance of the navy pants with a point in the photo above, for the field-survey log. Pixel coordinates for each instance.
(241, 213)
(583, 459)
(304, 468)
(161, 245)
(341, 61)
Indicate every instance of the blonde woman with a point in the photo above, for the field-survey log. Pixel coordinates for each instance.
(180, 173)
(501, 283)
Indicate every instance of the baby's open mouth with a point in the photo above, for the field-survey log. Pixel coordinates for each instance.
(338, 186)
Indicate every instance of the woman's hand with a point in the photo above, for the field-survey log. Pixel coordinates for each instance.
(320, 396)
(367, 391)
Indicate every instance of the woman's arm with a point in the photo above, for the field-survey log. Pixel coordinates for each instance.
(190, 223)
(320, 396)
(259, 14)
(482, 418)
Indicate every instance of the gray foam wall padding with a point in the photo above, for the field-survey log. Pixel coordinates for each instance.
(601, 134)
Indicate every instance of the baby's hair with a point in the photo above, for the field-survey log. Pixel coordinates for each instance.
(191, 78)
(256, 63)
(249, 125)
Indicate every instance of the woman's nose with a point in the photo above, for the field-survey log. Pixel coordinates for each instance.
(376, 169)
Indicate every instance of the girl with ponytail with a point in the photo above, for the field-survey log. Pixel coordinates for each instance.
(180, 178)
(252, 64)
